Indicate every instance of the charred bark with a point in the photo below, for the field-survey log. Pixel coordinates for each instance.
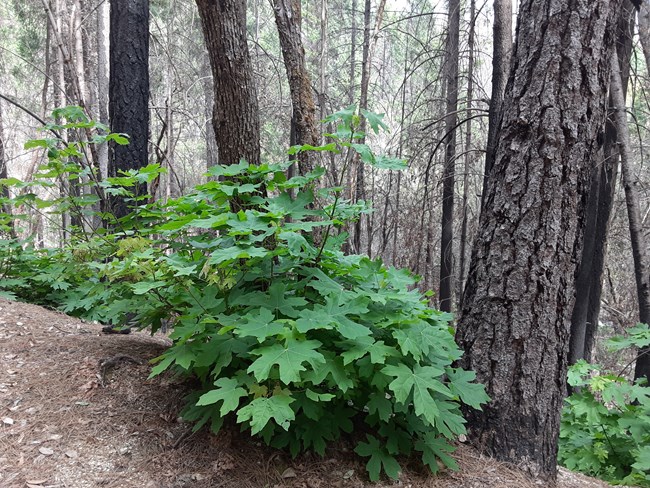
(128, 106)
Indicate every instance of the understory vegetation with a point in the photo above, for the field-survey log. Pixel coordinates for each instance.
(606, 423)
(289, 336)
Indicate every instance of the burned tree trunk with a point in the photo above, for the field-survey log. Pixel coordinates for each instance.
(128, 106)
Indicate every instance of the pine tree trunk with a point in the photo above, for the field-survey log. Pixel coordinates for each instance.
(103, 30)
(502, 50)
(468, 152)
(631, 184)
(369, 39)
(449, 172)
(515, 321)
(288, 18)
(584, 318)
(235, 119)
(128, 107)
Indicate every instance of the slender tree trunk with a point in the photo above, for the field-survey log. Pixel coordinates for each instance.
(400, 148)
(211, 151)
(322, 61)
(76, 35)
(65, 58)
(468, 148)
(288, 18)
(369, 38)
(515, 320)
(644, 29)
(449, 173)
(4, 191)
(631, 183)
(103, 30)
(353, 53)
(129, 89)
(48, 65)
(351, 173)
(502, 50)
(584, 318)
(235, 118)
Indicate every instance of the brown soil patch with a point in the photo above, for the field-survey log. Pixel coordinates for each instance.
(68, 418)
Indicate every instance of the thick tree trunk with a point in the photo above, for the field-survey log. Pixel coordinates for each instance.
(288, 18)
(514, 325)
(449, 172)
(502, 50)
(128, 107)
(584, 318)
(235, 118)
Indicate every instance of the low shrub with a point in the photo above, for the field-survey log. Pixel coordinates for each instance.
(605, 430)
(290, 337)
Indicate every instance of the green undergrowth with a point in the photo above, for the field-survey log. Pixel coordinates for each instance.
(290, 337)
(605, 429)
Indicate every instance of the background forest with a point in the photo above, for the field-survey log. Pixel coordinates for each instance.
(406, 83)
(436, 74)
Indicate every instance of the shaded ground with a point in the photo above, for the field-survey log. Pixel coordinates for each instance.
(77, 410)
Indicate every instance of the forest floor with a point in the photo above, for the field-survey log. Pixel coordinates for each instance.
(77, 410)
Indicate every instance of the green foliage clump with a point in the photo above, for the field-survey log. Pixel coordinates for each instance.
(290, 337)
(605, 429)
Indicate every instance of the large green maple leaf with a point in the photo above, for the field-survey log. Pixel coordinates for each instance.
(432, 449)
(317, 318)
(263, 409)
(276, 298)
(339, 306)
(228, 391)
(420, 380)
(295, 207)
(289, 358)
(379, 457)
(332, 366)
(643, 459)
(462, 383)
(259, 324)
(420, 337)
(366, 345)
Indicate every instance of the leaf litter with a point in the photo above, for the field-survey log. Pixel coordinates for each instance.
(73, 425)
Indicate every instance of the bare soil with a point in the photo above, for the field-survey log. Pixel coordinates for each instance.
(77, 410)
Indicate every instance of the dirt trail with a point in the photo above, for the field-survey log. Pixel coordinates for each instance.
(77, 410)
